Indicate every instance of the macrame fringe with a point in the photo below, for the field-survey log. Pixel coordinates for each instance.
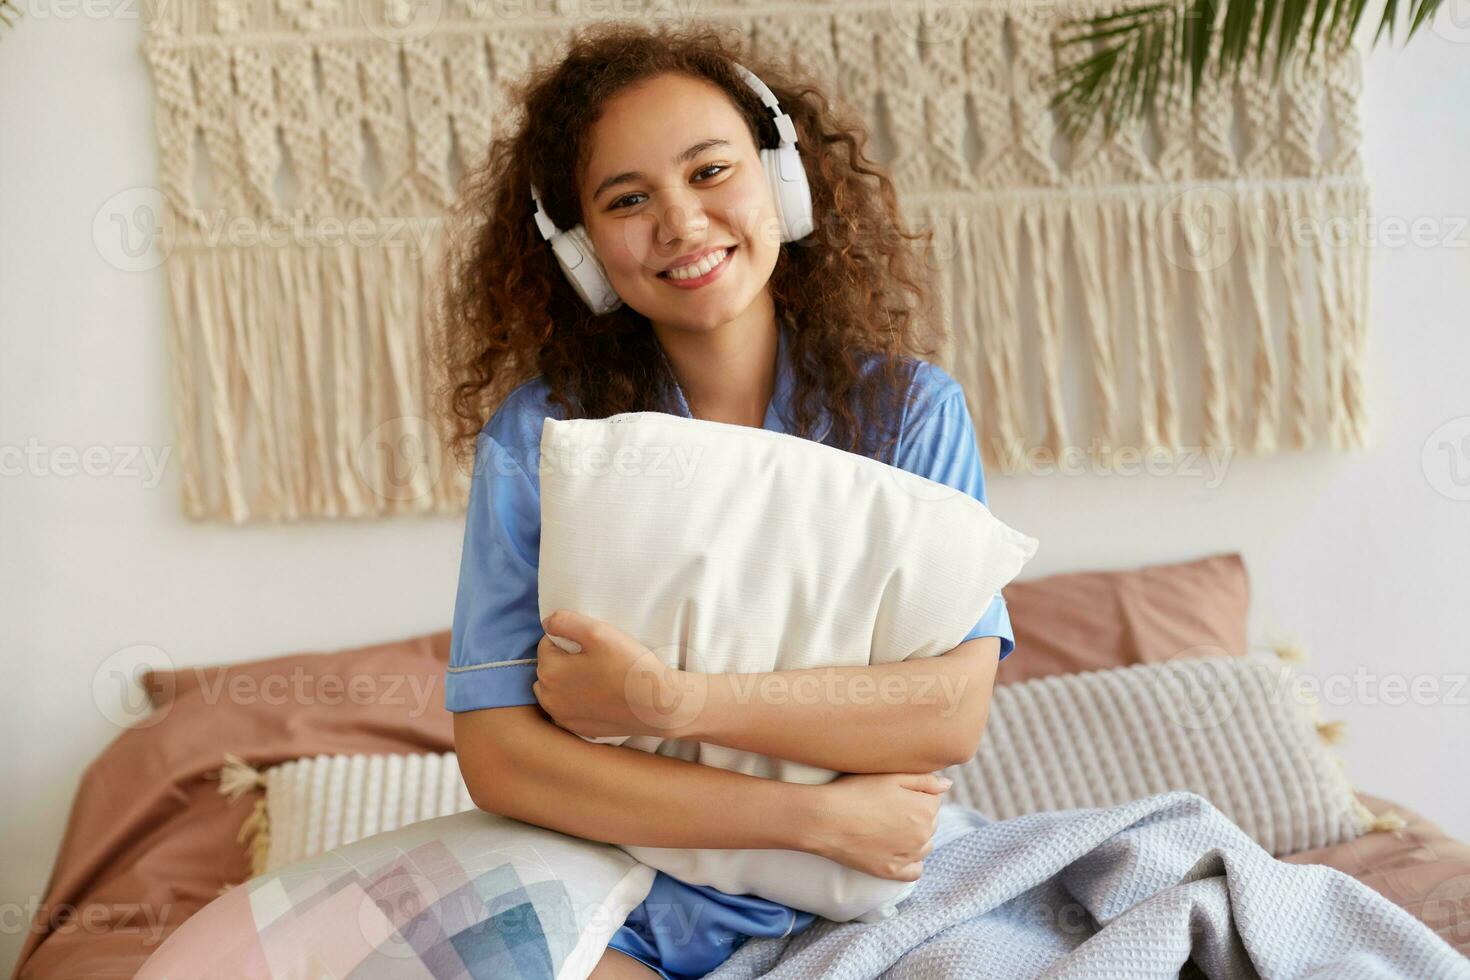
(236, 778)
(299, 375)
(318, 386)
(1124, 254)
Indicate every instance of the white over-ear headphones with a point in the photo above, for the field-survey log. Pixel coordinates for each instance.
(789, 189)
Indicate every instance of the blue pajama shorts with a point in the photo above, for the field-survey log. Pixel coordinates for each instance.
(684, 931)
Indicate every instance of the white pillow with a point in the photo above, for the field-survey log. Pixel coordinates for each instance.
(730, 549)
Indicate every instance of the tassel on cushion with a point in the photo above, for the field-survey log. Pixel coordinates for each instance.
(1388, 821)
(236, 778)
(1292, 652)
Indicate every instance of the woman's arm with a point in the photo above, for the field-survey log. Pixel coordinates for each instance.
(912, 716)
(518, 763)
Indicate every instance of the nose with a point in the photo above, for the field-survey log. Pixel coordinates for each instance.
(680, 216)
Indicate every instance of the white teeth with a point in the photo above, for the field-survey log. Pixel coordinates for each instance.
(699, 268)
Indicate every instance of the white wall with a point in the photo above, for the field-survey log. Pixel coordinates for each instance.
(1358, 555)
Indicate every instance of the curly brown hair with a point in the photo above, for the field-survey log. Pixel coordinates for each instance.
(856, 286)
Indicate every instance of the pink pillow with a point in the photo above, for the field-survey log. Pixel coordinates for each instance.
(1094, 620)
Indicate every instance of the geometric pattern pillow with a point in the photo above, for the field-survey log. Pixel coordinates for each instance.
(1240, 731)
(469, 895)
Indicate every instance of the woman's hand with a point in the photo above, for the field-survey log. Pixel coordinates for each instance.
(612, 685)
(881, 823)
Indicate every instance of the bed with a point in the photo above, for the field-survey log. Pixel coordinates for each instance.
(151, 839)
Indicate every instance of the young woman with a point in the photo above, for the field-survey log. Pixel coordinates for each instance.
(650, 141)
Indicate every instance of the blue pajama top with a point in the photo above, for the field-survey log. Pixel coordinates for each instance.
(497, 621)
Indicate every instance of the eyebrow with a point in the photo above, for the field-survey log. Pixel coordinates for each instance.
(632, 175)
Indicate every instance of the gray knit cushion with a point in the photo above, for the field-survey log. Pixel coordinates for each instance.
(1235, 730)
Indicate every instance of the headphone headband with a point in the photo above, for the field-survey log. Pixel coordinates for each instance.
(784, 125)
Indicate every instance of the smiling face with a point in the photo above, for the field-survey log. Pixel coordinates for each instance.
(672, 172)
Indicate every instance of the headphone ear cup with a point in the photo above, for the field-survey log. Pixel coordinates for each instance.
(790, 191)
(585, 272)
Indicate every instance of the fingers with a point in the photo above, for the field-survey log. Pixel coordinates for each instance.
(567, 629)
(572, 631)
(927, 782)
(566, 632)
(912, 872)
(565, 643)
(549, 647)
(916, 866)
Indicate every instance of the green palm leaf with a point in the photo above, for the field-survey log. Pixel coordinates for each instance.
(1116, 65)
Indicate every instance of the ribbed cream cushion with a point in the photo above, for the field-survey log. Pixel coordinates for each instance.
(1232, 729)
(1228, 728)
(316, 804)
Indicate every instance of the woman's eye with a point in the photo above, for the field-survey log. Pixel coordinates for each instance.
(622, 201)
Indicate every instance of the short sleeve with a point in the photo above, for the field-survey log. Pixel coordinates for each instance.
(938, 442)
(497, 622)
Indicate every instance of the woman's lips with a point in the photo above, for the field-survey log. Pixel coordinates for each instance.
(708, 277)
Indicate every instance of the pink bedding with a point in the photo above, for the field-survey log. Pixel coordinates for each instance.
(150, 840)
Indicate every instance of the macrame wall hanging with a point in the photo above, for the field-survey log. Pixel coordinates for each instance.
(1199, 279)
